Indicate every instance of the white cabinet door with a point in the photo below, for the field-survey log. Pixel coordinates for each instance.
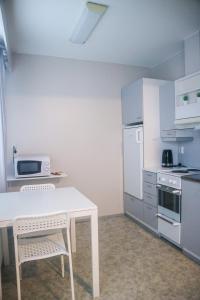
(133, 161)
(189, 87)
(132, 103)
(167, 103)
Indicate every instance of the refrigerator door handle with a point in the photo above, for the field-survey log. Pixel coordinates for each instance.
(139, 136)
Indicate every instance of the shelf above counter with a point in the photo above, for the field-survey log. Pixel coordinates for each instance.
(12, 178)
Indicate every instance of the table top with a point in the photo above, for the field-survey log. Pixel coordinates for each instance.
(67, 199)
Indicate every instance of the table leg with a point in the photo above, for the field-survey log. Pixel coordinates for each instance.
(1, 256)
(73, 234)
(6, 256)
(0, 284)
(95, 253)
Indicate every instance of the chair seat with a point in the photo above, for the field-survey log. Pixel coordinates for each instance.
(35, 248)
(40, 233)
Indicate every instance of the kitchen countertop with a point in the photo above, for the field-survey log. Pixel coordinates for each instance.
(157, 169)
(151, 169)
(193, 177)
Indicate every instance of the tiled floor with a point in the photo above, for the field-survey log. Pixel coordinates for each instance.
(134, 265)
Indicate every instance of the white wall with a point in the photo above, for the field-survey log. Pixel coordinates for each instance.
(171, 69)
(72, 111)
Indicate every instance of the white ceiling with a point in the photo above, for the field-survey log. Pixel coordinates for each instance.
(132, 32)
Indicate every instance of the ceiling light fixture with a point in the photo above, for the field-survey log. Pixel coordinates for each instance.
(89, 19)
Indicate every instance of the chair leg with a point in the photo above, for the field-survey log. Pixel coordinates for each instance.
(20, 272)
(62, 266)
(73, 234)
(70, 265)
(71, 277)
(18, 282)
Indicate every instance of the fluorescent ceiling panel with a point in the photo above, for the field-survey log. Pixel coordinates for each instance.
(90, 17)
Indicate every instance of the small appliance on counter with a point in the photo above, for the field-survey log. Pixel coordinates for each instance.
(31, 165)
(167, 158)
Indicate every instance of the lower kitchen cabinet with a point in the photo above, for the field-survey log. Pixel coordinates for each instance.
(151, 199)
(144, 210)
(150, 207)
(190, 238)
(150, 217)
(133, 207)
(150, 188)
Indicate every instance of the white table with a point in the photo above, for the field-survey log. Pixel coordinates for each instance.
(66, 199)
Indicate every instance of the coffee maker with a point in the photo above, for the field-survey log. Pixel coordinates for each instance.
(167, 158)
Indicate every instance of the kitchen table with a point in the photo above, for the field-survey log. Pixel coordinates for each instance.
(66, 199)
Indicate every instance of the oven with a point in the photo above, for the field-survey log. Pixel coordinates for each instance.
(169, 213)
(169, 202)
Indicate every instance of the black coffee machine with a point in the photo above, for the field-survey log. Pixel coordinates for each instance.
(167, 158)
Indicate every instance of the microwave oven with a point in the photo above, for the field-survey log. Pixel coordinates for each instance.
(31, 165)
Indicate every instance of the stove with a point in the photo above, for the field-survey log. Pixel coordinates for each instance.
(169, 201)
(172, 177)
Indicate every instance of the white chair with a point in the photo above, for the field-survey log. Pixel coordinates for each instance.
(50, 187)
(35, 248)
(38, 187)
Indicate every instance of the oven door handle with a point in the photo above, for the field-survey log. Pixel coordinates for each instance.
(168, 189)
(163, 188)
(162, 217)
(176, 192)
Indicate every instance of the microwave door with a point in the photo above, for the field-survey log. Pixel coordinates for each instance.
(28, 167)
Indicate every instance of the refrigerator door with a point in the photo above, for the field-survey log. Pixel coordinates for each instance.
(133, 161)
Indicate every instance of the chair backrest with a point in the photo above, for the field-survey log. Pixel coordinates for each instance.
(30, 224)
(38, 187)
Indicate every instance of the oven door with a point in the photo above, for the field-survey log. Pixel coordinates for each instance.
(169, 202)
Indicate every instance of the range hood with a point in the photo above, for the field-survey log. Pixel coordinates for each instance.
(187, 100)
(187, 89)
(176, 135)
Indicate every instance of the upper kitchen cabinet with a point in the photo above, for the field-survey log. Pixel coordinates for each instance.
(168, 130)
(167, 106)
(132, 100)
(140, 103)
(192, 53)
(187, 92)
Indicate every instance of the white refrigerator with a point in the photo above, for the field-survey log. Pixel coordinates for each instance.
(133, 160)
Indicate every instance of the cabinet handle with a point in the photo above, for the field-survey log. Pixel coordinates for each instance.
(149, 207)
(139, 136)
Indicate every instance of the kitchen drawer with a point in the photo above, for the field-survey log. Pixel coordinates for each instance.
(151, 199)
(150, 188)
(133, 206)
(170, 231)
(150, 177)
(150, 217)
